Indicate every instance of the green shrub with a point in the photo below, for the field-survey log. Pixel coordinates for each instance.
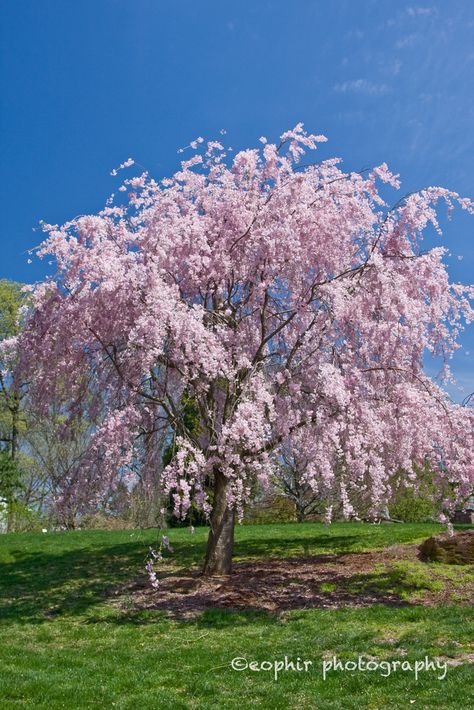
(419, 502)
(103, 521)
(23, 519)
(274, 508)
(411, 507)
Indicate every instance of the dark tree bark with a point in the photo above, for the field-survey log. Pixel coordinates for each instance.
(15, 412)
(300, 514)
(221, 536)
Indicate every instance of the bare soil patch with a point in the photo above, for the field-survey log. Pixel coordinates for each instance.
(276, 585)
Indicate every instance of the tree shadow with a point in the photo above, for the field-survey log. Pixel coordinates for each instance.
(297, 546)
(37, 586)
(271, 587)
(214, 618)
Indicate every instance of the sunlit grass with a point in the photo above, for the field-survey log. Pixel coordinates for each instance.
(64, 644)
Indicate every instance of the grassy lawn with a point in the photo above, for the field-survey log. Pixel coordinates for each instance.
(66, 642)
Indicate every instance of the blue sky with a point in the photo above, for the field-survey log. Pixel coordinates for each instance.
(85, 85)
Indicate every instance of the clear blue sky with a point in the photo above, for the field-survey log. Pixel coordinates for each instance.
(86, 84)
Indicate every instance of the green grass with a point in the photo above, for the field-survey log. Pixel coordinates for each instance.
(409, 580)
(64, 643)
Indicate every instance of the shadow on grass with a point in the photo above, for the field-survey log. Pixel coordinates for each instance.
(36, 586)
(406, 581)
(39, 585)
(210, 618)
(296, 546)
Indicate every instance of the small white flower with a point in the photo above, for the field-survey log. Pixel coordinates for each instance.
(166, 543)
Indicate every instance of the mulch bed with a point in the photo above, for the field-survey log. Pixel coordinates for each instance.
(277, 585)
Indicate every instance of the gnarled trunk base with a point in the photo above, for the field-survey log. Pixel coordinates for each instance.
(221, 536)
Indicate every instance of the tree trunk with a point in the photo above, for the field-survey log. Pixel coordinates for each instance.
(221, 535)
(14, 441)
(300, 516)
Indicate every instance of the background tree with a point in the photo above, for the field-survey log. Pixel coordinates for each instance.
(11, 421)
(10, 477)
(40, 455)
(283, 298)
(290, 479)
(57, 448)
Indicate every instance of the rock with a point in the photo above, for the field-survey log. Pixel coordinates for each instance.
(457, 549)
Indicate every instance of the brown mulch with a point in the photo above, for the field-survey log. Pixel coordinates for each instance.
(277, 585)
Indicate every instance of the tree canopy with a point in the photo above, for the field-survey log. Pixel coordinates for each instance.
(287, 299)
